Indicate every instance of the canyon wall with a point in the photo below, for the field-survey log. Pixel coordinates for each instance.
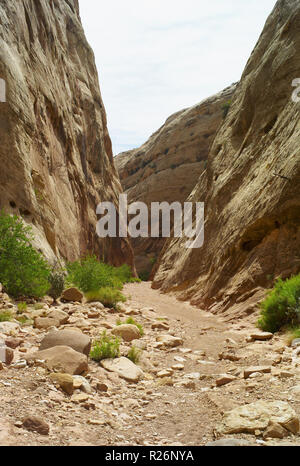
(55, 151)
(251, 187)
(168, 165)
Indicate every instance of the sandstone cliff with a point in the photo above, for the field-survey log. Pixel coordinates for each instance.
(55, 152)
(168, 165)
(251, 187)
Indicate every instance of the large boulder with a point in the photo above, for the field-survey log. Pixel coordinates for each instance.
(61, 358)
(127, 331)
(125, 368)
(74, 339)
(258, 416)
(72, 295)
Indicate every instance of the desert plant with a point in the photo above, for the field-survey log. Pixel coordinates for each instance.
(89, 274)
(131, 321)
(22, 306)
(23, 270)
(226, 108)
(282, 306)
(38, 306)
(134, 354)
(5, 316)
(57, 282)
(107, 296)
(107, 347)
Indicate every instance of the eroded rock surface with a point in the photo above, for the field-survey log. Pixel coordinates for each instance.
(251, 187)
(55, 153)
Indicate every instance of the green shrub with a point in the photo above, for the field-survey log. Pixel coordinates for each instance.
(57, 282)
(24, 320)
(105, 348)
(134, 354)
(5, 316)
(22, 307)
(282, 306)
(107, 296)
(131, 321)
(226, 108)
(23, 271)
(89, 274)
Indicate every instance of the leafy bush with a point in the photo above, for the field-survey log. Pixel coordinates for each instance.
(107, 296)
(89, 274)
(131, 321)
(5, 316)
(105, 348)
(57, 282)
(23, 271)
(282, 306)
(134, 354)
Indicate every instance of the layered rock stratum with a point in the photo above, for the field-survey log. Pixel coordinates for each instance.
(55, 151)
(251, 187)
(167, 167)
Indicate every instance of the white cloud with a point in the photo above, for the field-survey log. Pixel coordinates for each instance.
(156, 57)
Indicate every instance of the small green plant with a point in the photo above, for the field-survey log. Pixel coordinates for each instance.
(134, 354)
(23, 271)
(24, 320)
(22, 307)
(107, 347)
(281, 308)
(226, 108)
(107, 296)
(5, 316)
(131, 321)
(57, 281)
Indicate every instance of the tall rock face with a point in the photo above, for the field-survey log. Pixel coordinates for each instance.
(251, 187)
(55, 152)
(167, 167)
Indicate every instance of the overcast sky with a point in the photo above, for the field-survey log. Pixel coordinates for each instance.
(156, 57)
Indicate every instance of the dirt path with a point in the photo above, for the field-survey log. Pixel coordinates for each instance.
(177, 401)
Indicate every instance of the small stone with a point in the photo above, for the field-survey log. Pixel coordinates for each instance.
(6, 355)
(164, 373)
(84, 384)
(259, 369)
(275, 430)
(125, 368)
(224, 380)
(43, 323)
(261, 336)
(160, 326)
(296, 343)
(13, 343)
(178, 367)
(102, 387)
(169, 341)
(21, 364)
(65, 381)
(79, 398)
(35, 424)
